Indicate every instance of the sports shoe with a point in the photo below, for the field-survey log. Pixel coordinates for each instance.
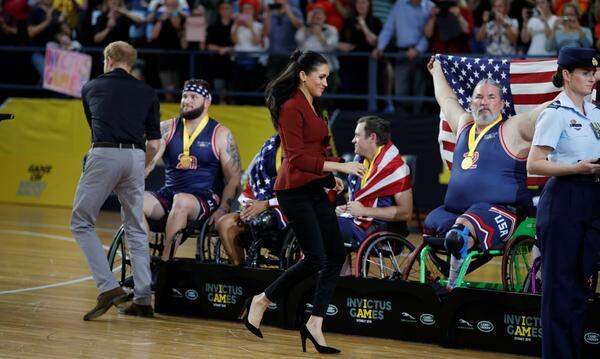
(105, 300)
(138, 310)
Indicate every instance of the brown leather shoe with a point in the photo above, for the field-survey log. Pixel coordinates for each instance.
(138, 310)
(105, 301)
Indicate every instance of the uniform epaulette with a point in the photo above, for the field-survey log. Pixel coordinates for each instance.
(554, 104)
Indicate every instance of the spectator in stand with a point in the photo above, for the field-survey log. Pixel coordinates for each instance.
(537, 29)
(168, 32)
(19, 10)
(246, 34)
(407, 22)
(582, 5)
(449, 27)
(196, 26)
(114, 22)
(155, 5)
(335, 11)
(320, 37)
(359, 34)
(281, 23)
(8, 28)
(568, 32)
(45, 23)
(218, 38)
(595, 19)
(71, 9)
(382, 8)
(499, 32)
(477, 7)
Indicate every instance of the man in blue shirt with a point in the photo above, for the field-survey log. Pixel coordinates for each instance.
(281, 22)
(407, 23)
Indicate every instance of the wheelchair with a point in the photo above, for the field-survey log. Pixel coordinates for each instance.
(432, 262)
(265, 245)
(533, 279)
(119, 259)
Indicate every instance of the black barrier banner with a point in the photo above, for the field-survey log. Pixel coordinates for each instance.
(506, 322)
(186, 287)
(373, 307)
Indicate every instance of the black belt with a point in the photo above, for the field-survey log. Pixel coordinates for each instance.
(116, 145)
(583, 178)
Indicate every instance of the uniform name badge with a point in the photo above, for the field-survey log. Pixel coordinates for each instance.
(467, 163)
(185, 161)
(596, 129)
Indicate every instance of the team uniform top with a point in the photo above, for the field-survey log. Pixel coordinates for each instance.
(496, 176)
(205, 173)
(574, 136)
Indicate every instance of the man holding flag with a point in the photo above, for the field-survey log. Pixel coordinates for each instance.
(488, 180)
(384, 193)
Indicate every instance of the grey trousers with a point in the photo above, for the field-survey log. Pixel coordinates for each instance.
(122, 171)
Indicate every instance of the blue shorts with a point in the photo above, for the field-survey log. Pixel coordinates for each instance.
(208, 202)
(493, 224)
(353, 233)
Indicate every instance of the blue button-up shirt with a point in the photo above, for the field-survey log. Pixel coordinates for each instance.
(568, 131)
(407, 22)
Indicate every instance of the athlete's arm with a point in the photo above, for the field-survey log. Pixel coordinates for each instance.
(165, 129)
(232, 170)
(453, 112)
(402, 211)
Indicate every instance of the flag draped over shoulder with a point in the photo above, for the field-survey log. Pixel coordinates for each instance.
(525, 85)
(262, 172)
(390, 175)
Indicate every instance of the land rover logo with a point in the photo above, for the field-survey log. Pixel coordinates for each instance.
(332, 310)
(592, 338)
(191, 294)
(427, 319)
(272, 306)
(485, 326)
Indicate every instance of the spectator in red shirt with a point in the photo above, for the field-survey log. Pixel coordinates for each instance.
(336, 11)
(449, 27)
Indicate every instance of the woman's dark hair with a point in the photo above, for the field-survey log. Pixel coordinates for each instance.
(557, 78)
(281, 88)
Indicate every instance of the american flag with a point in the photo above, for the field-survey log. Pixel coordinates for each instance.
(262, 172)
(525, 85)
(390, 175)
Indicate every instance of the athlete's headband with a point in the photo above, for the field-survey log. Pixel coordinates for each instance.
(199, 89)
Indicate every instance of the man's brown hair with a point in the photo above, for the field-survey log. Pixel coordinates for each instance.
(121, 53)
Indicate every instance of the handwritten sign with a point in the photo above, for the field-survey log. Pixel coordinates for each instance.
(66, 71)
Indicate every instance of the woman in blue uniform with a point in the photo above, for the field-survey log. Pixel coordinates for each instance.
(566, 146)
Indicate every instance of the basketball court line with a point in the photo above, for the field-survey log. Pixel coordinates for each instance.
(53, 226)
(51, 236)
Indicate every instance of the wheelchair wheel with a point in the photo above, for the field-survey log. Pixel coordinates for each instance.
(436, 265)
(533, 281)
(219, 253)
(383, 255)
(119, 260)
(208, 240)
(516, 263)
(290, 251)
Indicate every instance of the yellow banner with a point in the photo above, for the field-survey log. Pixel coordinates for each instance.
(42, 149)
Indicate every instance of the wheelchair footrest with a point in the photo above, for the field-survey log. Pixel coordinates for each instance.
(435, 242)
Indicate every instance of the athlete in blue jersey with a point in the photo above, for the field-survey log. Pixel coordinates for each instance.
(383, 194)
(488, 178)
(202, 163)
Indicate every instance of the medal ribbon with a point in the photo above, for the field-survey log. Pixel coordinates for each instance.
(187, 139)
(278, 158)
(473, 142)
(369, 166)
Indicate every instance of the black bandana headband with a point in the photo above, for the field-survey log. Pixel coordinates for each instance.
(198, 89)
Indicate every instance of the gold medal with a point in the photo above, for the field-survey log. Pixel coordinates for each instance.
(185, 162)
(467, 163)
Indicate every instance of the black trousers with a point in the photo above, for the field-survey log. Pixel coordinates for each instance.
(568, 227)
(313, 219)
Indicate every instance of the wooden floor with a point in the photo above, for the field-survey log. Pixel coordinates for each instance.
(45, 289)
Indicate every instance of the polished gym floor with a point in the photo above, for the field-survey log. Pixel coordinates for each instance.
(45, 288)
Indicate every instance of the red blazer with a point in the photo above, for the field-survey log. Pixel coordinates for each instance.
(305, 140)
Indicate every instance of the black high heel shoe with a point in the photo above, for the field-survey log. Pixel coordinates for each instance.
(254, 330)
(305, 334)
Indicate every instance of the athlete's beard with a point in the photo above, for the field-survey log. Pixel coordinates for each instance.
(193, 113)
(484, 120)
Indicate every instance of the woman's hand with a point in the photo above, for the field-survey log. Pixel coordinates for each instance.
(339, 185)
(587, 167)
(353, 168)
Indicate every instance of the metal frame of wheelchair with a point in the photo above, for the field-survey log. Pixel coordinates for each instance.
(517, 260)
(120, 249)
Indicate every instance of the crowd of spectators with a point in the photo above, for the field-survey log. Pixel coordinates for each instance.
(251, 39)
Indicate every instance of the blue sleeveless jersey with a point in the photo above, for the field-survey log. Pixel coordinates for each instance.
(496, 177)
(205, 173)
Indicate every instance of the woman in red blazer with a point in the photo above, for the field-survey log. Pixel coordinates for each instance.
(305, 172)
